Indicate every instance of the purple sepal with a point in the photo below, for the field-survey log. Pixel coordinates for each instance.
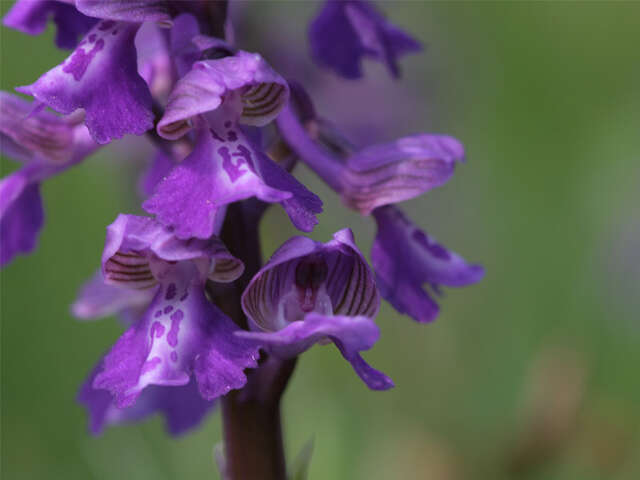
(97, 299)
(261, 93)
(404, 258)
(136, 248)
(183, 407)
(350, 334)
(134, 11)
(346, 31)
(21, 214)
(380, 174)
(400, 170)
(224, 167)
(31, 17)
(101, 76)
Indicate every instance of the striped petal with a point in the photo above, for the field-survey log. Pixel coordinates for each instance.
(398, 171)
(346, 280)
(262, 92)
(136, 11)
(137, 250)
(381, 174)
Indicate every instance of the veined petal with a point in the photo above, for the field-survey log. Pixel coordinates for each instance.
(404, 258)
(133, 243)
(31, 17)
(397, 171)
(135, 11)
(350, 334)
(183, 407)
(346, 31)
(101, 77)
(262, 91)
(348, 281)
(224, 167)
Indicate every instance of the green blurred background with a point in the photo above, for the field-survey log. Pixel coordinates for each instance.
(533, 373)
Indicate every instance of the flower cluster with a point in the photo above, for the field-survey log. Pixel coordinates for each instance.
(228, 130)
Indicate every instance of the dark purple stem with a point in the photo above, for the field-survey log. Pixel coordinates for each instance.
(251, 417)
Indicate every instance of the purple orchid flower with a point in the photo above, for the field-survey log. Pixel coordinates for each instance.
(345, 31)
(371, 181)
(101, 76)
(182, 406)
(47, 145)
(312, 292)
(181, 337)
(225, 165)
(31, 17)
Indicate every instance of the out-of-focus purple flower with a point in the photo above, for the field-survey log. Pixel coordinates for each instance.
(311, 292)
(181, 334)
(47, 145)
(405, 258)
(31, 17)
(345, 31)
(380, 174)
(101, 76)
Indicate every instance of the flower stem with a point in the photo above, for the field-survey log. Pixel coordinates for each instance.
(253, 445)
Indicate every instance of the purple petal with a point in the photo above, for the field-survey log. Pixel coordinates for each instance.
(350, 334)
(404, 258)
(133, 242)
(97, 299)
(135, 11)
(101, 77)
(348, 282)
(183, 407)
(180, 333)
(398, 171)
(380, 174)
(262, 92)
(31, 17)
(224, 167)
(21, 215)
(346, 31)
